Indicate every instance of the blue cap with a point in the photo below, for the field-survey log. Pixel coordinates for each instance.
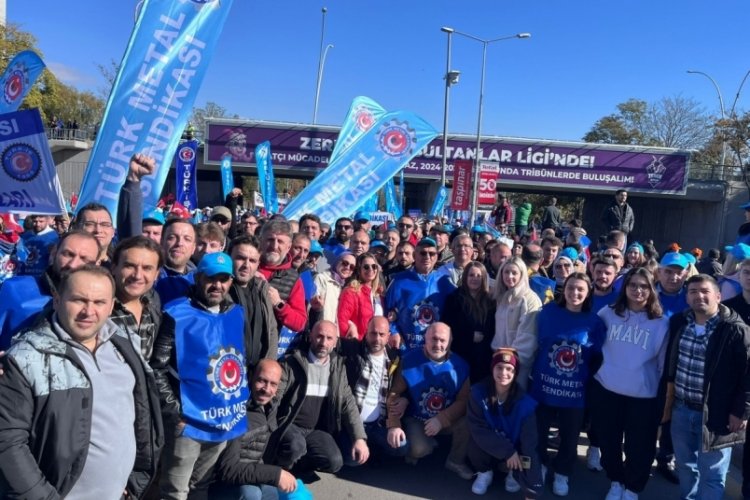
(378, 244)
(316, 248)
(426, 242)
(674, 259)
(569, 252)
(635, 245)
(154, 215)
(689, 257)
(362, 215)
(746, 206)
(740, 251)
(478, 229)
(215, 263)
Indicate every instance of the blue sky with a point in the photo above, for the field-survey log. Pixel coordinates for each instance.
(584, 57)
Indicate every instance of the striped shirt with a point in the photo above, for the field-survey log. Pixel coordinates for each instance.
(691, 359)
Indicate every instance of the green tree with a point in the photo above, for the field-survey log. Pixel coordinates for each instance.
(201, 115)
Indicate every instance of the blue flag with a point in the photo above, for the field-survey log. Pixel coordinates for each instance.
(391, 205)
(153, 95)
(265, 177)
(363, 113)
(227, 179)
(187, 189)
(362, 169)
(401, 191)
(439, 203)
(18, 79)
(371, 205)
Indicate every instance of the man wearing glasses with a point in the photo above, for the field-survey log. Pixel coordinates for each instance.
(405, 227)
(95, 219)
(415, 297)
(339, 243)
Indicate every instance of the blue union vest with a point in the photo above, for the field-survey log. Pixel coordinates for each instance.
(509, 425)
(211, 365)
(432, 386)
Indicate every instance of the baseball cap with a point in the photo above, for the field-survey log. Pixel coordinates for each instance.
(316, 248)
(155, 215)
(362, 215)
(378, 244)
(215, 263)
(478, 229)
(222, 211)
(745, 206)
(690, 258)
(740, 251)
(675, 259)
(442, 228)
(427, 242)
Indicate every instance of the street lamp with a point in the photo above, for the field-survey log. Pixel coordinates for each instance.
(451, 78)
(321, 61)
(485, 43)
(723, 117)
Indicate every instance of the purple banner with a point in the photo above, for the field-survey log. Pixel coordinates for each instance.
(523, 162)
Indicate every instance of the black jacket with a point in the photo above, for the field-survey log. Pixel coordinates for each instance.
(45, 417)
(726, 381)
(618, 218)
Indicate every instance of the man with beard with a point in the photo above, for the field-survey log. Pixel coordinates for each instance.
(38, 242)
(286, 291)
(301, 245)
(316, 405)
(436, 384)
(137, 310)
(208, 311)
(604, 271)
(404, 260)
(360, 243)
(441, 235)
(405, 225)
(310, 225)
(342, 233)
(499, 254)
(176, 276)
(241, 470)
(23, 297)
(95, 218)
(462, 250)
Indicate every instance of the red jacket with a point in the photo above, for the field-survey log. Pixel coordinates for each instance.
(357, 307)
(293, 314)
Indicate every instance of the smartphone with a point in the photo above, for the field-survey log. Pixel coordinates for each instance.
(525, 462)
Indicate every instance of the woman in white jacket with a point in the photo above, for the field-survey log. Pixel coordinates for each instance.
(515, 316)
(328, 285)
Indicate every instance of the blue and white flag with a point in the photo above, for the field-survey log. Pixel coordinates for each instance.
(401, 190)
(187, 189)
(153, 95)
(265, 176)
(362, 115)
(362, 169)
(18, 79)
(227, 178)
(391, 203)
(439, 203)
(371, 205)
(28, 179)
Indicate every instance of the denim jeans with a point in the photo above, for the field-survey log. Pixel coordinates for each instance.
(244, 492)
(702, 474)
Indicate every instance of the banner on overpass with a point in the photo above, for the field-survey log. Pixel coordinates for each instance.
(522, 162)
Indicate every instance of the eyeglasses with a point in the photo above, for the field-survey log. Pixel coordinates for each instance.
(220, 220)
(370, 267)
(563, 266)
(346, 263)
(406, 226)
(638, 286)
(89, 224)
(345, 228)
(428, 254)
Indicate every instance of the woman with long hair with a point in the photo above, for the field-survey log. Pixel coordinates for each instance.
(515, 315)
(470, 312)
(570, 337)
(623, 393)
(328, 285)
(635, 256)
(361, 299)
(502, 427)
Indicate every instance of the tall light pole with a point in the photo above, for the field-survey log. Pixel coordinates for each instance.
(723, 117)
(451, 78)
(485, 43)
(321, 60)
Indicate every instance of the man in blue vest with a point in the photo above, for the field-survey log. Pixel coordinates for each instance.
(435, 384)
(200, 370)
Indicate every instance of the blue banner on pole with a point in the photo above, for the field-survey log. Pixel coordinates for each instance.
(371, 205)
(363, 113)
(19, 77)
(391, 205)
(153, 95)
(362, 169)
(265, 177)
(401, 191)
(187, 190)
(439, 203)
(227, 178)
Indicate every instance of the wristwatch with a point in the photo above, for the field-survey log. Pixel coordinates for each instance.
(280, 305)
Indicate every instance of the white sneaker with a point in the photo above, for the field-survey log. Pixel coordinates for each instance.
(511, 485)
(615, 492)
(560, 485)
(629, 495)
(482, 482)
(594, 458)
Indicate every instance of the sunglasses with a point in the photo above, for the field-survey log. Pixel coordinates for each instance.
(428, 254)
(346, 263)
(407, 226)
(370, 267)
(220, 220)
(345, 228)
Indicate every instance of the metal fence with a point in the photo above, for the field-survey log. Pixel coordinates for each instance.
(67, 134)
(713, 172)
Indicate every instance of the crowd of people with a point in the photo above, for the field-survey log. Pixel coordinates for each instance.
(363, 340)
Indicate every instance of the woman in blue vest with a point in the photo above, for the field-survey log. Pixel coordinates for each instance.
(503, 429)
(623, 393)
(569, 335)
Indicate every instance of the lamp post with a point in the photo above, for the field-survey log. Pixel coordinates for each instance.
(723, 117)
(321, 61)
(485, 43)
(451, 78)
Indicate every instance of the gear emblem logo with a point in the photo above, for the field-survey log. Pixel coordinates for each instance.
(21, 162)
(433, 401)
(187, 154)
(226, 372)
(565, 357)
(424, 314)
(16, 83)
(396, 139)
(363, 119)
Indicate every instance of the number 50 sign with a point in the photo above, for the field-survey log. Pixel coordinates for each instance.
(488, 173)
